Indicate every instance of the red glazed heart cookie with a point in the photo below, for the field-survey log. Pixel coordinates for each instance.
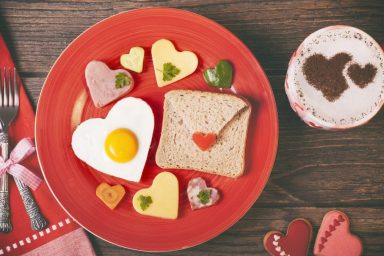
(200, 195)
(334, 237)
(295, 243)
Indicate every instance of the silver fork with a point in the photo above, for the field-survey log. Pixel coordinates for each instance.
(9, 106)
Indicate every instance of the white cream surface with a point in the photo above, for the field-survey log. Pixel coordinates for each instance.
(355, 105)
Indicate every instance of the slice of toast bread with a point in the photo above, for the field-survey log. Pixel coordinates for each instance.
(186, 112)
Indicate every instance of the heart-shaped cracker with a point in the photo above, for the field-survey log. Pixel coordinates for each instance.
(164, 52)
(334, 237)
(164, 197)
(204, 140)
(326, 75)
(110, 195)
(295, 243)
(133, 60)
(200, 195)
(101, 82)
(362, 76)
(220, 75)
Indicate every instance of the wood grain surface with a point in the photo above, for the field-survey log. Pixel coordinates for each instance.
(315, 171)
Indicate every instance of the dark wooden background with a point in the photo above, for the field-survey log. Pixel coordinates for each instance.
(315, 170)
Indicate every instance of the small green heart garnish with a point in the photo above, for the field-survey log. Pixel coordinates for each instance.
(219, 76)
(122, 80)
(145, 201)
(169, 71)
(204, 196)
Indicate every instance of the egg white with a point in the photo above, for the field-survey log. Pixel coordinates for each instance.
(89, 137)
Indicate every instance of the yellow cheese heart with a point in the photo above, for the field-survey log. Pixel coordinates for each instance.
(163, 196)
(133, 60)
(163, 51)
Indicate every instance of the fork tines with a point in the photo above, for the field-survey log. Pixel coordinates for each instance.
(9, 91)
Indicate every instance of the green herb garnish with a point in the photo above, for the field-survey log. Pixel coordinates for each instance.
(122, 80)
(145, 201)
(169, 71)
(204, 196)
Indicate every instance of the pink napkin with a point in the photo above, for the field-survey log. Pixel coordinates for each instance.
(62, 236)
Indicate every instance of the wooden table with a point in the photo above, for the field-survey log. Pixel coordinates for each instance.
(315, 170)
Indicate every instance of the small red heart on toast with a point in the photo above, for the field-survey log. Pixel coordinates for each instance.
(204, 140)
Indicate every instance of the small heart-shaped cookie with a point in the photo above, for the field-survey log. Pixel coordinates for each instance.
(200, 195)
(110, 195)
(204, 140)
(133, 60)
(159, 200)
(295, 243)
(220, 75)
(106, 85)
(334, 237)
(362, 76)
(326, 75)
(171, 65)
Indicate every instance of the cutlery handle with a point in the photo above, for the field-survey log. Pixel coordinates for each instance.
(38, 222)
(5, 216)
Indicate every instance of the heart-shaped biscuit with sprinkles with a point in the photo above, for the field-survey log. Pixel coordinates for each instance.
(334, 237)
(295, 243)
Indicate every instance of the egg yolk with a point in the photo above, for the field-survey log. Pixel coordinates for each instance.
(121, 145)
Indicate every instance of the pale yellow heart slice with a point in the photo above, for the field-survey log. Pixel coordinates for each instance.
(163, 51)
(133, 60)
(164, 194)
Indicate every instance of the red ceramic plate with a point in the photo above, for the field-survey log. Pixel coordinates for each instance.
(64, 102)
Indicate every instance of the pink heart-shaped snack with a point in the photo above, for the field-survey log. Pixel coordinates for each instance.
(200, 195)
(101, 81)
(295, 243)
(334, 237)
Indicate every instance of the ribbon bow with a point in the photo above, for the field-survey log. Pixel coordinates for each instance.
(23, 149)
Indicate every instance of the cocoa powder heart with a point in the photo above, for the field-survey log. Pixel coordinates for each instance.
(362, 76)
(326, 75)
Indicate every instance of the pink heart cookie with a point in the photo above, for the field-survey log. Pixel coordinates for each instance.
(200, 195)
(101, 81)
(334, 237)
(295, 243)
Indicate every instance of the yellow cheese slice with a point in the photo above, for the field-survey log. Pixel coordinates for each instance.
(164, 193)
(133, 60)
(163, 51)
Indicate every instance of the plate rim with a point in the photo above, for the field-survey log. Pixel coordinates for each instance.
(271, 96)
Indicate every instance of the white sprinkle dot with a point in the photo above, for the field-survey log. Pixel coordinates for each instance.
(14, 245)
(61, 224)
(41, 233)
(21, 242)
(54, 227)
(8, 248)
(1, 252)
(28, 240)
(47, 231)
(67, 221)
(34, 236)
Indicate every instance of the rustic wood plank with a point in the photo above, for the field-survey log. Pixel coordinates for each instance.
(245, 237)
(314, 171)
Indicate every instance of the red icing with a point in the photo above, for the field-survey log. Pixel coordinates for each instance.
(204, 140)
(336, 223)
(334, 237)
(295, 243)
